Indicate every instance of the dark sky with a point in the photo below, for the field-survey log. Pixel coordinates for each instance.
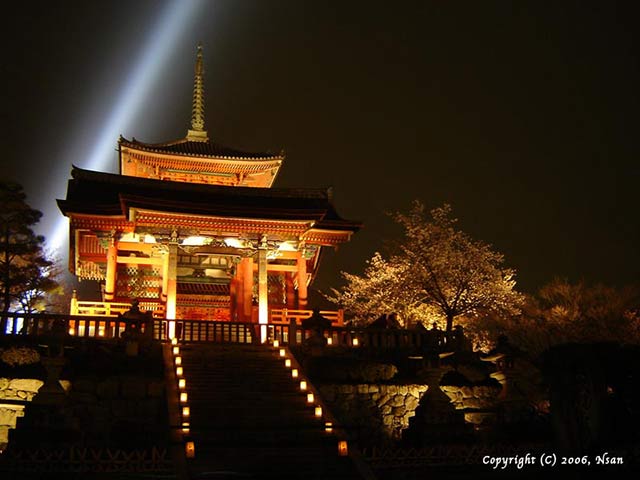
(522, 115)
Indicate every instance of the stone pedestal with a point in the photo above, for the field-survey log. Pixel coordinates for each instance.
(436, 420)
(139, 329)
(51, 392)
(48, 420)
(317, 342)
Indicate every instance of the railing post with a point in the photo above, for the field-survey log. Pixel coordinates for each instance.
(74, 303)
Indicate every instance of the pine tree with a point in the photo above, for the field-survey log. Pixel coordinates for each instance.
(24, 268)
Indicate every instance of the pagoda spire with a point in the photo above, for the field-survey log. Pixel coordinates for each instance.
(197, 133)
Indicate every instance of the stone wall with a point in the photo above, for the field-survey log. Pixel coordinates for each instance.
(19, 388)
(107, 409)
(377, 413)
(14, 389)
(111, 408)
(473, 397)
(477, 401)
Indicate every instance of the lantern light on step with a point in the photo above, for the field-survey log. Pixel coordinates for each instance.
(178, 360)
(185, 427)
(179, 371)
(318, 411)
(355, 342)
(190, 449)
(176, 350)
(183, 397)
(186, 412)
(283, 352)
(276, 344)
(310, 398)
(182, 384)
(303, 385)
(343, 448)
(287, 363)
(294, 373)
(329, 341)
(174, 341)
(328, 427)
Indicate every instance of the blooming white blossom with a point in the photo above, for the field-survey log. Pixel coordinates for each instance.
(438, 273)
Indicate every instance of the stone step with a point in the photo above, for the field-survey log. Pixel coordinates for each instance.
(249, 416)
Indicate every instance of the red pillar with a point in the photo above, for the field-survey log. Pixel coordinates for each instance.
(302, 282)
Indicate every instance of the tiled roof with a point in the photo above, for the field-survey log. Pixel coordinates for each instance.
(206, 149)
(100, 193)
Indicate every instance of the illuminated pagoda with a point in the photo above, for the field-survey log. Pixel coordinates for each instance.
(195, 230)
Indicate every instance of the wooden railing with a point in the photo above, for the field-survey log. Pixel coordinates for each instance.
(113, 309)
(45, 324)
(361, 337)
(279, 316)
(17, 324)
(208, 331)
(291, 334)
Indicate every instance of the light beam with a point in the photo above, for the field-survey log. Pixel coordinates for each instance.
(173, 22)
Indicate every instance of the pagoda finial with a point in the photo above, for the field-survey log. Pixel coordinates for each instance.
(197, 132)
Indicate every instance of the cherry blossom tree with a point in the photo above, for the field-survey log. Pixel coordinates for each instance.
(381, 290)
(437, 272)
(457, 275)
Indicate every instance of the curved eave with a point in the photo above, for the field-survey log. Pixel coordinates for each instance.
(69, 208)
(174, 206)
(158, 149)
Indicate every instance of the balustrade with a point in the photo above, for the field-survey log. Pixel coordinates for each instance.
(15, 324)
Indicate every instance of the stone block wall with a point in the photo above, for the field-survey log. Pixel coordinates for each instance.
(377, 413)
(14, 389)
(471, 397)
(112, 408)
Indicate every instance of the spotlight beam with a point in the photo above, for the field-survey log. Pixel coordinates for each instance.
(173, 22)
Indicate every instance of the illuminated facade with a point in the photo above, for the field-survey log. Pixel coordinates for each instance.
(195, 230)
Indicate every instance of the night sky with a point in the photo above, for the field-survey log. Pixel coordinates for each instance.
(522, 115)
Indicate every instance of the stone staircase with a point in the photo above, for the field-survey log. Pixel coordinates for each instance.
(249, 419)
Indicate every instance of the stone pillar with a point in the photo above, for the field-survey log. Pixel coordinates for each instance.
(302, 281)
(110, 281)
(263, 289)
(247, 288)
(172, 287)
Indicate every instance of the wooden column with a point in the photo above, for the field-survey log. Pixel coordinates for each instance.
(110, 281)
(248, 288)
(302, 282)
(233, 302)
(240, 290)
(165, 277)
(290, 291)
(172, 287)
(263, 292)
